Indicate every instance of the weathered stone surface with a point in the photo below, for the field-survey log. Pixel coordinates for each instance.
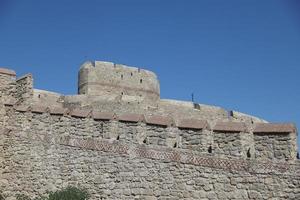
(193, 124)
(131, 117)
(22, 108)
(102, 115)
(80, 113)
(158, 120)
(38, 108)
(57, 110)
(274, 128)
(7, 72)
(230, 127)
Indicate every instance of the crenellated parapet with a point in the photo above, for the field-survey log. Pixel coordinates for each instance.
(267, 141)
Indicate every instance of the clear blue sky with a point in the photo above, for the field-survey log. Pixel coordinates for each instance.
(241, 55)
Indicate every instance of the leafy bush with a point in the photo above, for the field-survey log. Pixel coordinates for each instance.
(69, 193)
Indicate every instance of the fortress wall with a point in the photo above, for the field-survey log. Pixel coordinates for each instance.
(44, 151)
(109, 79)
(140, 156)
(272, 145)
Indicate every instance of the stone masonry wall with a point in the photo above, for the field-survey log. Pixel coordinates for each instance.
(123, 157)
(273, 145)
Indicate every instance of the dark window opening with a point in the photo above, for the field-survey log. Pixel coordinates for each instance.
(101, 127)
(175, 145)
(248, 153)
(196, 106)
(141, 80)
(121, 76)
(209, 149)
(131, 74)
(118, 138)
(145, 141)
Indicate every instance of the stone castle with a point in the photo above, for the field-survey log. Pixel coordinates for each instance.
(119, 140)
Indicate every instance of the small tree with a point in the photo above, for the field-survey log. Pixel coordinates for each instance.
(69, 193)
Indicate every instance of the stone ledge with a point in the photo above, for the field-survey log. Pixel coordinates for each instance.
(102, 115)
(10, 102)
(24, 77)
(193, 124)
(80, 113)
(231, 127)
(7, 72)
(57, 110)
(22, 108)
(275, 128)
(131, 117)
(38, 109)
(158, 120)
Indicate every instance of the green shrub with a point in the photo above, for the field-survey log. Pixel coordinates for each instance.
(69, 193)
(22, 197)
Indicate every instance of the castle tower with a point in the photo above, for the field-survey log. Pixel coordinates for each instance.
(112, 80)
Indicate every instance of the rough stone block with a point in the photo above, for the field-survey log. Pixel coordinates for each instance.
(80, 113)
(57, 110)
(7, 72)
(10, 102)
(22, 108)
(192, 124)
(158, 120)
(131, 117)
(102, 115)
(230, 127)
(38, 109)
(275, 128)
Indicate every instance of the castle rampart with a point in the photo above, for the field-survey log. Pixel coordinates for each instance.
(143, 153)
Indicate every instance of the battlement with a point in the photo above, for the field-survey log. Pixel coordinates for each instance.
(223, 138)
(109, 79)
